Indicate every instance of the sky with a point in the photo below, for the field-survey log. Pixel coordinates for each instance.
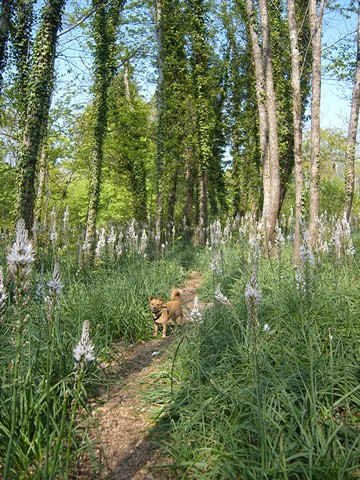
(74, 63)
(336, 95)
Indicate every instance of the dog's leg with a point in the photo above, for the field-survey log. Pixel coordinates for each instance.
(164, 330)
(156, 329)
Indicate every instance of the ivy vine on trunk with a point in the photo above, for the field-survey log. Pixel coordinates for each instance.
(41, 81)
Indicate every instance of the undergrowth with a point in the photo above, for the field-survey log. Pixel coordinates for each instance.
(42, 393)
(275, 401)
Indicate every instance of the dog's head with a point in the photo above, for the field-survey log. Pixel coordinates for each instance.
(156, 304)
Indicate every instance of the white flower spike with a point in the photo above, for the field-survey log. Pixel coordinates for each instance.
(84, 350)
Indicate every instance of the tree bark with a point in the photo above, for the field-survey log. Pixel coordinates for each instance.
(203, 206)
(41, 82)
(138, 187)
(21, 47)
(126, 81)
(159, 136)
(173, 193)
(352, 132)
(316, 17)
(40, 195)
(5, 19)
(297, 117)
(261, 104)
(106, 20)
(268, 129)
(189, 200)
(273, 144)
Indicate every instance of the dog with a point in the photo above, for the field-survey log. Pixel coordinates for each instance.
(167, 313)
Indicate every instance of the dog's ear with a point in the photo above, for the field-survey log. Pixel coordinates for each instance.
(150, 298)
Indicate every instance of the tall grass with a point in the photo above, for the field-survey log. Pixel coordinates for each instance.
(42, 392)
(275, 403)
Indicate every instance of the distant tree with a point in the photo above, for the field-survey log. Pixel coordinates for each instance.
(128, 147)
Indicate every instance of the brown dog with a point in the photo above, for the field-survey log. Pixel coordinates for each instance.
(167, 313)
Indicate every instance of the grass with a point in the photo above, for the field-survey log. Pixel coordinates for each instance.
(247, 403)
(282, 404)
(41, 392)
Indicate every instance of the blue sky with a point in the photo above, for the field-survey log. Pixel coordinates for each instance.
(336, 95)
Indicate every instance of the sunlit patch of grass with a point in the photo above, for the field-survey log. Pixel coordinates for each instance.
(274, 404)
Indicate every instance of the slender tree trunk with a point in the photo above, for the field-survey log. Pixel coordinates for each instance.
(21, 48)
(5, 19)
(41, 189)
(101, 86)
(189, 200)
(261, 104)
(106, 20)
(272, 214)
(259, 79)
(159, 136)
(203, 206)
(127, 82)
(297, 116)
(173, 193)
(268, 130)
(40, 88)
(352, 132)
(138, 188)
(260, 87)
(315, 27)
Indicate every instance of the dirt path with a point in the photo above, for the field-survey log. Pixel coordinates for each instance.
(121, 419)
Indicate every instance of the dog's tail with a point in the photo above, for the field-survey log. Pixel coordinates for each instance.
(175, 294)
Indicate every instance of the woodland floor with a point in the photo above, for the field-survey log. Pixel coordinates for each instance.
(123, 414)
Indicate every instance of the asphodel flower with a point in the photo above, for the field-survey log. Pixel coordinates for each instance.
(84, 350)
(220, 297)
(252, 298)
(195, 313)
(20, 259)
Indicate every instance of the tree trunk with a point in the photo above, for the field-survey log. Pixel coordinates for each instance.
(106, 20)
(40, 88)
(260, 86)
(189, 200)
(126, 81)
(315, 28)
(21, 48)
(159, 135)
(203, 208)
(297, 116)
(272, 213)
(268, 130)
(138, 188)
(40, 195)
(352, 132)
(261, 103)
(173, 193)
(5, 19)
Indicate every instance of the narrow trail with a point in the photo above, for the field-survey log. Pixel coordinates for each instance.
(121, 419)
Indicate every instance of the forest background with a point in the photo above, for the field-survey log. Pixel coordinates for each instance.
(153, 115)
